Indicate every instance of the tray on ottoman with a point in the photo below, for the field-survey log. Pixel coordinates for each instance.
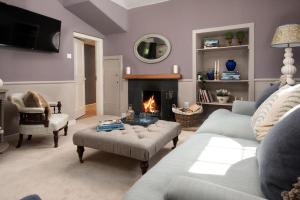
(140, 121)
(138, 142)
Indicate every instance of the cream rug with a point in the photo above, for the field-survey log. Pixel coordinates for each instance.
(56, 174)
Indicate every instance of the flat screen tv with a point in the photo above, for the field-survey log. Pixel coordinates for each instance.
(26, 29)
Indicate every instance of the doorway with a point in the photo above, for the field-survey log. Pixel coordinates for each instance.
(90, 78)
(88, 75)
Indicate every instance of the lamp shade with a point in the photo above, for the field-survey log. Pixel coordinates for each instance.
(287, 36)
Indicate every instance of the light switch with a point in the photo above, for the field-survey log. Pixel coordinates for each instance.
(69, 55)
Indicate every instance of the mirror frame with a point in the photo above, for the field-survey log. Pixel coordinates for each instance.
(157, 60)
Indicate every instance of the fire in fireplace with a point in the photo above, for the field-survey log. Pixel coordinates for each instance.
(161, 93)
(151, 102)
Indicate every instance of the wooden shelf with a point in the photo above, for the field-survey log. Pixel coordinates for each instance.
(224, 48)
(217, 104)
(152, 76)
(225, 81)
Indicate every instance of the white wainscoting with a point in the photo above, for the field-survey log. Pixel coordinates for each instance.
(63, 91)
(261, 84)
(185, 91)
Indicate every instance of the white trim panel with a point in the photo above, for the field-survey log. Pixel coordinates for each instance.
(37, 82)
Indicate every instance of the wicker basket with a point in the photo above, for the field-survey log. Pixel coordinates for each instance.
(188, 120)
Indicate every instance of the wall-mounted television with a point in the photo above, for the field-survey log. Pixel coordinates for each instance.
(26, 29)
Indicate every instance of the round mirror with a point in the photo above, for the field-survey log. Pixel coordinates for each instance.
(152, 48)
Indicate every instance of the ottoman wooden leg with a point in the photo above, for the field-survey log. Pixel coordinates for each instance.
(66, 129)
(175, 140)
(20, 141)
(29, 137)
(80, 150)
(55, 138)
(144, 166)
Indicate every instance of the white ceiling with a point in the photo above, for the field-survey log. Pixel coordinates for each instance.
(129, 4)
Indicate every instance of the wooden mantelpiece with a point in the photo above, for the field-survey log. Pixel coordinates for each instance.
(152, 76)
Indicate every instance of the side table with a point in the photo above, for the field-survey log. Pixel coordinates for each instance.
(3, 145)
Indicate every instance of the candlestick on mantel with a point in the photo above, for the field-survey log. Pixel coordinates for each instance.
(128, 70)
(175, 69)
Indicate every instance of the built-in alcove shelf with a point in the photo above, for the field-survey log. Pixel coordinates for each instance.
(224, 81)
(152, 76)
(205, 58)
(244, 46)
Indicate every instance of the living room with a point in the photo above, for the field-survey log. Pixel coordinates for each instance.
(149, 99)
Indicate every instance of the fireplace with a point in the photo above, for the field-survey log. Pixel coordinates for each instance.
(154, 97)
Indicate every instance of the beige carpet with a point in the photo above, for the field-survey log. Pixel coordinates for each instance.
(56, 174)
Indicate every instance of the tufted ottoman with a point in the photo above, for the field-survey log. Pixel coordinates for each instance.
(136, 142)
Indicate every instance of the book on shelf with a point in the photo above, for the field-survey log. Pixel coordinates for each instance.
(205, 96)
(231, 75)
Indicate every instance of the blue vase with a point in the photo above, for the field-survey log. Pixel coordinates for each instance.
(211, 75)
(230, 65)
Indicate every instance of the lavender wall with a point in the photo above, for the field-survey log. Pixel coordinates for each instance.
(24, 65)
(177, 18)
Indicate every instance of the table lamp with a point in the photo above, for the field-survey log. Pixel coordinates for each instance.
(287, 36)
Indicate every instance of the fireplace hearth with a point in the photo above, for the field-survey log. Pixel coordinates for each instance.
(153, 97)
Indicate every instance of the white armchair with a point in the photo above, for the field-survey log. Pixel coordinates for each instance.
(37, 121)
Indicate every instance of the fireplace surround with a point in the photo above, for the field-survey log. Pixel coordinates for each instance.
(161, 94)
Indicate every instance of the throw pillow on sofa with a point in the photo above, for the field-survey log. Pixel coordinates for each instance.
(266, 93)
(268, 114)
(278, 156)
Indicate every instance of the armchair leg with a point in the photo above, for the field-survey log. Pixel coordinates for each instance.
(66, 129)
(20, 141)
(29, 137)
(55, 137)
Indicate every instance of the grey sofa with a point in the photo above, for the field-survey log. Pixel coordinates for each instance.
(217, 163)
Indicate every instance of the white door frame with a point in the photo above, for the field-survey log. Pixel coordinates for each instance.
(99, 69)
(123, 86)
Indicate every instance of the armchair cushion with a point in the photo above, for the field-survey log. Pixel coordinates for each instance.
(188, 188)
(56, 122)
(31, 110)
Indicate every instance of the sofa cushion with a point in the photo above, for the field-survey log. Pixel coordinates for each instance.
(266, 93)
(278, 155)
(244, 107)
(188, 188)
(268, 114)
(227, 123)
(220, 160)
